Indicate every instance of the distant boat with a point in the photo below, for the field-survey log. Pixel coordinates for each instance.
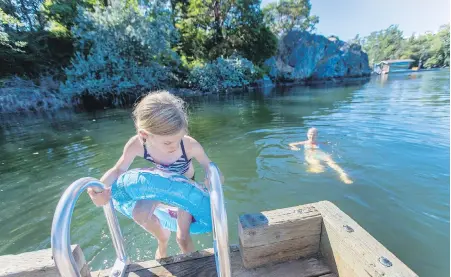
(394, 66)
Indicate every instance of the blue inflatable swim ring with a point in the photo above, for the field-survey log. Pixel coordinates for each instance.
(166, 187)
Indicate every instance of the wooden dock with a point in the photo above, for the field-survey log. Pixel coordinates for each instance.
(313, 240)
(202, 263)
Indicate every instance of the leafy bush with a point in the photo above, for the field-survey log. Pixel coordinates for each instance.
(222, 74)
(121, 48)
(23, 95)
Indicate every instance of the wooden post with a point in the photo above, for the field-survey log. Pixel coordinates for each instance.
(279, 235)
(351, 251)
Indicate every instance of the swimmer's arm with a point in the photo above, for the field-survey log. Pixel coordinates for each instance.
(293, 145)
(131, 150)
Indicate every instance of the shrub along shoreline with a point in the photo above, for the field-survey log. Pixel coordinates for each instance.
(58, 54)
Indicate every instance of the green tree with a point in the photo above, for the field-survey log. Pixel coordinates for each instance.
(193, 21)
(418, 48)
(427, 50)
(286, 15)
(7, 23)
(61, 14)
(10, 46)
(28, 47)
(210, 29)
(384, 44)
(356, 40)
(439, 48)
(247, 34)
(28, 12)
(9, 20)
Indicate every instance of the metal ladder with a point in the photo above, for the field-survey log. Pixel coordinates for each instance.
(60, 236)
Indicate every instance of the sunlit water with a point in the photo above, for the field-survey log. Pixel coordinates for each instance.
(391, 135)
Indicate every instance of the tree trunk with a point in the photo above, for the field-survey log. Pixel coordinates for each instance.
(217, 24)
(173, 11)
(25, 14)
(39, 16)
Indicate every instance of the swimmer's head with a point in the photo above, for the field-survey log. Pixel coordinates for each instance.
(312, 134)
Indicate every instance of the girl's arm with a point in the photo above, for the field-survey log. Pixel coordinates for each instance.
(199, 154)
(131, 150)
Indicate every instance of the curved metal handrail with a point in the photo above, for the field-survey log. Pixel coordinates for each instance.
(60, 236)
(220, 226)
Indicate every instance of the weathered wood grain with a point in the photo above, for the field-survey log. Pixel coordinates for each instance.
(279, 235)
(356, 253)
(38, 263)
(203, 264)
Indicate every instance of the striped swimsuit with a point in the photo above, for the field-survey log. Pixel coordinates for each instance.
(180, 166)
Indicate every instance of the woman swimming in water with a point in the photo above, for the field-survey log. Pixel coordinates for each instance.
(314, 156)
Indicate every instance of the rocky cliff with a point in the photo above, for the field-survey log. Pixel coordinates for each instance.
(302, 56)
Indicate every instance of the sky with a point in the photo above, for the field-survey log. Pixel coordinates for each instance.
(346, 18)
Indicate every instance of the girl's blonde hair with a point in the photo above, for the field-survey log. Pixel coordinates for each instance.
(161, 113)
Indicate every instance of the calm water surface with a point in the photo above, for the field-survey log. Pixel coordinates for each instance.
(391, 135)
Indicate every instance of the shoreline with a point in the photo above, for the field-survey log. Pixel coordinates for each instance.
(88, 103)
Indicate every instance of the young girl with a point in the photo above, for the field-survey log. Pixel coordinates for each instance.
(162, 126)
(314, 156)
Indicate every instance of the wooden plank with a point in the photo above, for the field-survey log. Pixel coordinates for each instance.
(200, 267)
(176, 259)
(279, 235)
(327, 253)
(205, 253)
(280, 252)
(311, 267)
(276, 225)
(181, 258)
(38, 263)
(204, 265)
(356, 253)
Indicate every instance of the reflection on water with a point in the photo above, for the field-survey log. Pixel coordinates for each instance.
(391, 135)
